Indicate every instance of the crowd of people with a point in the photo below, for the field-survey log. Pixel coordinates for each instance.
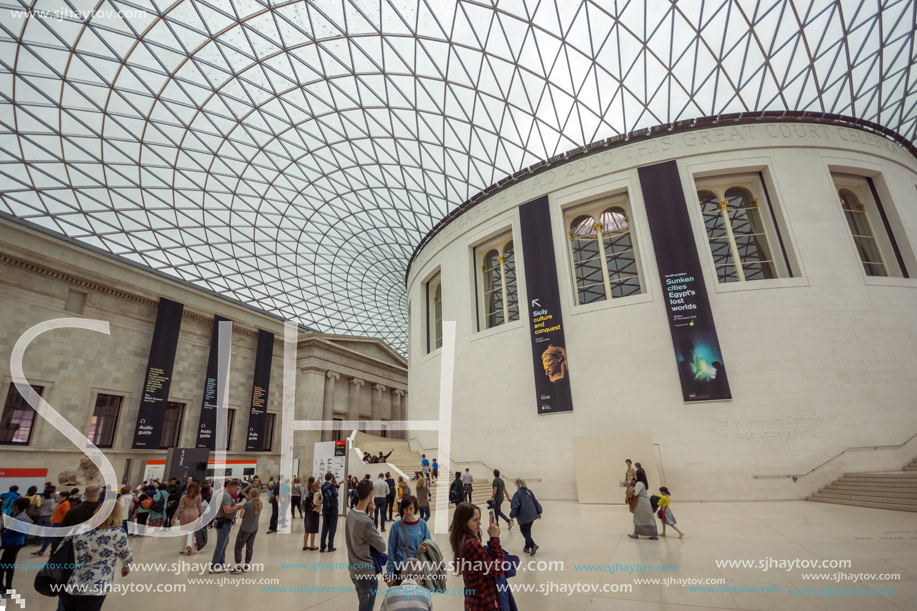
(412, 555)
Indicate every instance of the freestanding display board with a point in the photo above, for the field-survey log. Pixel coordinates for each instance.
(182, 463)
(153, 400)
(332, 456)
(697, 349)
(549, 349)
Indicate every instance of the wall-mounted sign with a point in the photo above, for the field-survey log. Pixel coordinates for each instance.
(261, 385)
(155, 395)
(549, 349)
(700, 361)
(206, 430)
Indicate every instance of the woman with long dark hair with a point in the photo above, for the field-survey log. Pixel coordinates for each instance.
(644, 523)
(478, 566)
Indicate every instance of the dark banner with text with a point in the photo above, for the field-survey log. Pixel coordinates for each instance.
(206, 430)
(549, 350)
(260, 387)
(155, 396)
(697, 350)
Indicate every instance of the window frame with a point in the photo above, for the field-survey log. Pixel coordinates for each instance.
(752, 183)
(28, 408)
(268, 444)
(117, 417)
(434, 313)
(596, 209)
(883, 234)
(500, 245)
(177, 432)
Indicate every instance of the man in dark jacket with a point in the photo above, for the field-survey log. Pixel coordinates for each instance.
(390, 497)
(86, 509)
(329, 513)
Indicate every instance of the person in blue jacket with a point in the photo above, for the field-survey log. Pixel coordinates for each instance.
(525, 508)
(11, 541)
(405, 539)
(8, 499)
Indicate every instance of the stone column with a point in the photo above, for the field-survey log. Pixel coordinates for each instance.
(353, 400)
(376, 415)
(398, 411)
(310, 390)
(328, 403)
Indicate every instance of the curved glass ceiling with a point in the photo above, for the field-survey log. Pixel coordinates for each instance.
(292, 154)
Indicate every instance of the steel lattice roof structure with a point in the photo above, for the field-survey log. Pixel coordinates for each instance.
(292, 155)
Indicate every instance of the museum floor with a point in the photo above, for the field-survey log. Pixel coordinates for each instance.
(875, 541)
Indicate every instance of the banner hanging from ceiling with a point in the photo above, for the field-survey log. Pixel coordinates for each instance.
(701, 367)
(549, 349)
(260, 387)
(206, 430)
(155, 396)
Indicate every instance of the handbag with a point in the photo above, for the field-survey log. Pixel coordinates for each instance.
(661, 514)
(200, 537)
(52, 575)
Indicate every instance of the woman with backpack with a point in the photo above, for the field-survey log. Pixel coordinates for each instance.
(526, 509)
(312, 508)
(160, 499)
(296, 498)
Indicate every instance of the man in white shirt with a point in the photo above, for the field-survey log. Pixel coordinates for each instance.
(380, 491)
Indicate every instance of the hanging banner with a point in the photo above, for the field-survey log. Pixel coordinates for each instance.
(549, 350)
(206, 430)
(260, 387)
(153, 400)
(697, 350)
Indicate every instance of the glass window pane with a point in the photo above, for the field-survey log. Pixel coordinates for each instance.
(268, 432)
(438, 317)
(18, 418)
(865, 241)
(509, 280)
(171, 425)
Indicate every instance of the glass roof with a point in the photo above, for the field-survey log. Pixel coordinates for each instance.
(292, 154)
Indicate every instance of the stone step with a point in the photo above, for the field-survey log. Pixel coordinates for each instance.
(871, 491)
(854, 496)
(871, 504)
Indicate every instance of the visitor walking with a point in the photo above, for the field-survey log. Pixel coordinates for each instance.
(665, 512)
(158, 507)
(360, 536)
(467, 480)
(222, 523)
(188, 511)
(296, 498)
(329, 513)
(405, 540)
(63, 506)
(497, 499)
(248, 530)
(423, 499)
(11, 541)
(644, 523)
(425, 466)
(126, 500)
(46, 508)
(435, 471)
(527, 508)
(313, 508)
(97, 552)
(403, 490)
(457, 489)
(274, 501)
(390, 497)
(380, 492)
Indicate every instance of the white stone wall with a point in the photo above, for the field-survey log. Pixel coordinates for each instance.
(73, 366)
(817, 363)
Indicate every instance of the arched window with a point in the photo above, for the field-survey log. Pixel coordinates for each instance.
(438, 317)
(737, 235)
(499, 294)
(434, 315)
(605, 268)
(863, 236)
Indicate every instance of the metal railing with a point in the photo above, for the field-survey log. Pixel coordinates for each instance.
(474, 462)
(795, 476)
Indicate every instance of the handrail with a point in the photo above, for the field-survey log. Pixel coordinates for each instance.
(798, 475)
(470, 462)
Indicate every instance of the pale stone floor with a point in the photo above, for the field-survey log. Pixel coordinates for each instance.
(876, 541)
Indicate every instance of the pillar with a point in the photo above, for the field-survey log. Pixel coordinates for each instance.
(328, 403)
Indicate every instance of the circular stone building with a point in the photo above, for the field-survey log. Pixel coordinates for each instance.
(600, 298)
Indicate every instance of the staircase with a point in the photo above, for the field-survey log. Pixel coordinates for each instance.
(895, 490)
(408, 461)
